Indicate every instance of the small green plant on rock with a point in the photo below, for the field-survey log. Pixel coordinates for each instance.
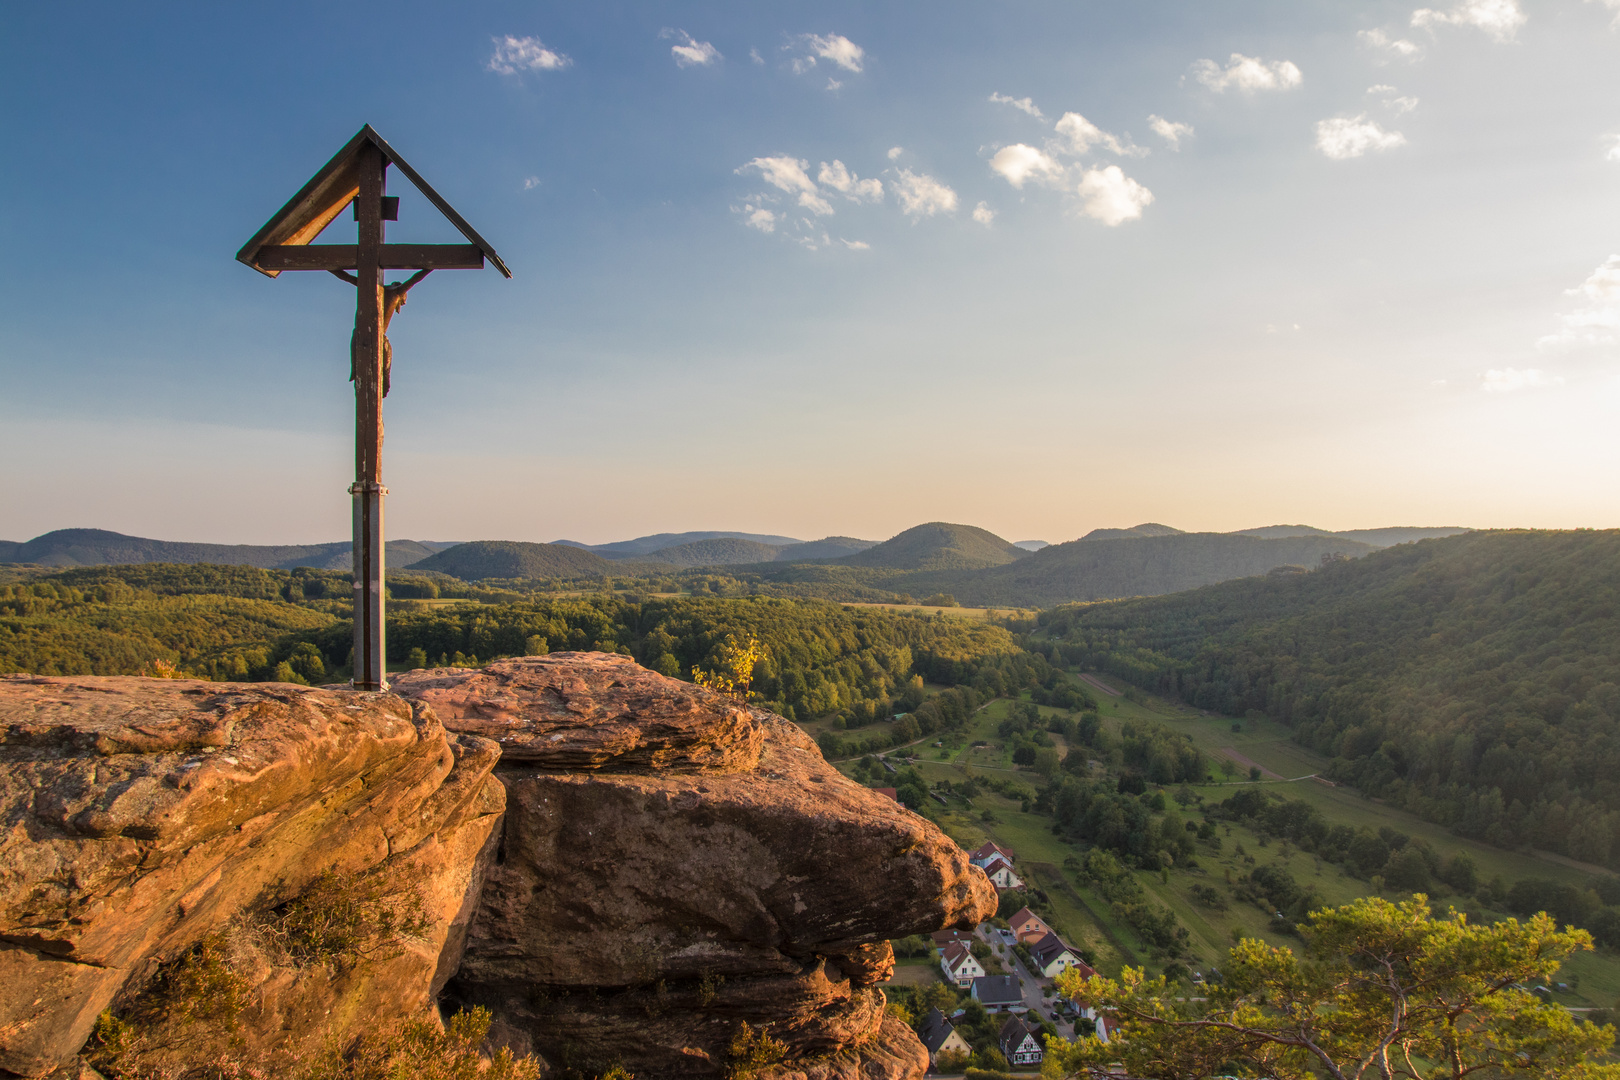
(194, 997)
(342, 920)
(752, 1050)
(420, 1050)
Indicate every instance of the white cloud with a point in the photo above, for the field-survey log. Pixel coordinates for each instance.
(1170, 131)
(847, 184)
(1247, 73)
(1597, 321)
(1507, 380)
(835, 48)
(894, 153)
(1393, 99)
(530, 183)
(786, 173)
(1614, 148)
(815, 203)
(757, 217)
(690, 51)
(833, 84)
(1391, 47)
(839, 49)
(1112, 197)
(1081, 135)
(753, 54)
(1019, 163)
(1021, 104)
(856, 245)
(921, 195)
(1500, 19)
(983, 214)
(1613, 5)
(515, 54)
(1345, 137)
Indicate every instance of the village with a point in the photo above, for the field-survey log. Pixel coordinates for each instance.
(1025, 1003)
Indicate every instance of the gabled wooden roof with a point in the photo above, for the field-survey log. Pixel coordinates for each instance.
(333, 188)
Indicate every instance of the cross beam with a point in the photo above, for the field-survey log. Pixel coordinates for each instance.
(390, 256)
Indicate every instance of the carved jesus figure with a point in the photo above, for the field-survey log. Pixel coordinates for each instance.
(393, 300)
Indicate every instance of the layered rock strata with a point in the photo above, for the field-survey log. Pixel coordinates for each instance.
(142, 816)
(674, 865)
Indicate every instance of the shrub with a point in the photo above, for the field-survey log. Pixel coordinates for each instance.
(752, 1050)
(340, 920)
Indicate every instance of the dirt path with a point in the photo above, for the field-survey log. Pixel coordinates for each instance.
(1251, 764)
(1099, 684)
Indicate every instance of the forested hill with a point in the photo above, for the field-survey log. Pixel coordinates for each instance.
(98, 547)
(485, 559)
(724, 551)
(1090, 569)
(938, 546)
(1472, 679)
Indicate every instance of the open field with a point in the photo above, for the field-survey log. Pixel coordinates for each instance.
(1088, 921)
(963, 612)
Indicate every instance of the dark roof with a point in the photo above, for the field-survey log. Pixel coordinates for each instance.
(943, 938)
(934, 1030)
(331, 189)
(998, 990)
(1013, 1033)
(1047, 948)
(988, 848)
(892, 793)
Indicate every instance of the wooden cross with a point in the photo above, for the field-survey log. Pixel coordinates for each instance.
(357, 175)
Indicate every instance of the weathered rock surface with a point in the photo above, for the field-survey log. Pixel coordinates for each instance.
(645, 905)
(142, 815)
(589, 711)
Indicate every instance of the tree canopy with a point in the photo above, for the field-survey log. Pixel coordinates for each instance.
(1382, 989)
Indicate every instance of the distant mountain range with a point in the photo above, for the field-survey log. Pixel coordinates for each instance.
(98, 547)
(646, 545)
(975, 566)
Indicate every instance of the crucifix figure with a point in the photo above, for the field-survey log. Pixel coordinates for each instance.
(357, 176)
(393, 300)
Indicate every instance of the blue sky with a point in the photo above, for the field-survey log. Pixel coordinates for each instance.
(824, 268)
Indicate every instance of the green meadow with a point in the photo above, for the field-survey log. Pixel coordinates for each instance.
(1087, 920)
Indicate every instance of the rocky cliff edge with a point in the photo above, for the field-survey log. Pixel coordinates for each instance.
(624, 869)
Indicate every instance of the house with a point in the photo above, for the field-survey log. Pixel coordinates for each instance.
(989, 850)
(1107, 1028)
(892, 793)
(942, 938)
(1001, 875)
(1020, 1042)
(1052, 957)
(939, 1036)
(999, 993)
(1028, 926)
(961, 967)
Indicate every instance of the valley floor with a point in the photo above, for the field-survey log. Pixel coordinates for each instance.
(1087, 920)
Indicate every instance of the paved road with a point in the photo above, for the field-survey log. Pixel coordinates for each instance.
(1028, 981)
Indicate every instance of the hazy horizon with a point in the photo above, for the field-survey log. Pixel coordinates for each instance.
(1035, 267)
(755, 532)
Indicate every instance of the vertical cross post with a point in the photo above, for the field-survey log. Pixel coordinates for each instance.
(370, 651)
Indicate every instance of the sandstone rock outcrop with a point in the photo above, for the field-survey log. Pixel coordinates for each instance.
(143, 815)
(624, 868)
(661, 882)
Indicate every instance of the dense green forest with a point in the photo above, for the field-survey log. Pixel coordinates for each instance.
(859, 664)
(510, 559)
(1471, 680)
